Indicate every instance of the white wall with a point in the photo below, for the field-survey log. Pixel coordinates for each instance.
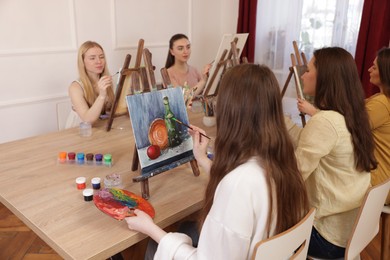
(40, 38)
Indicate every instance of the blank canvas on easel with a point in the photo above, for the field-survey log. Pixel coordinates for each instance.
(224, 45)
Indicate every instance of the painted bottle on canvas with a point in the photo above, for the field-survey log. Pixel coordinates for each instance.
(174, 138)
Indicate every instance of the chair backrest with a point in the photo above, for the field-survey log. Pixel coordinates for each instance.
(367, 222)
(63, 110)
(285, 244)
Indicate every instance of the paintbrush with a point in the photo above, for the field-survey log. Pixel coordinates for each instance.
(114, 74)
(180, 122)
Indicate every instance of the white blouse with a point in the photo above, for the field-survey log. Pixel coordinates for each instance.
(236, 222)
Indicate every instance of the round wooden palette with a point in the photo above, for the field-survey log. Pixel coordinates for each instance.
(120, 204)
(158, 133)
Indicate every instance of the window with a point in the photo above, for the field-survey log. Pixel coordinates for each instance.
(312, 23)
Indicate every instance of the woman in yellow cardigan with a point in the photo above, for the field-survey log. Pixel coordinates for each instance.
(378, 108)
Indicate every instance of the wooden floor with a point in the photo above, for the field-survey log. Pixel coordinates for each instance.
(17, 241)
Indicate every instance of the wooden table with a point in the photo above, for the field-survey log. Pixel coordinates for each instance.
(43, 193)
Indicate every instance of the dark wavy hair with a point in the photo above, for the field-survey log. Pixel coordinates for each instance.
(383, 60)
(339, 89)
(170, 58)
(250, 123)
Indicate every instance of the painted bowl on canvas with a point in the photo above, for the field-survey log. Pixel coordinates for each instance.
(158, 133)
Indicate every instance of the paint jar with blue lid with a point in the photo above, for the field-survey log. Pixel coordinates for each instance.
(96, 183)
(80, 158)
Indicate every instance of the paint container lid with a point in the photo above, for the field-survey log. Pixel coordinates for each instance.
(80, 156)
(98, 157)
(71, 156)
(107, 158)
(80, 180)
(95, 180)
(88, 194)
(62, 155)
(89, 156)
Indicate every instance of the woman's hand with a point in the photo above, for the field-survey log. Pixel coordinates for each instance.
(140, 222)
(200, 144)
(104, 83)
(306, 107)
(206, 69)
(143, 223)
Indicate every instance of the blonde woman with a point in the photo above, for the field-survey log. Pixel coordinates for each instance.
(92, 94)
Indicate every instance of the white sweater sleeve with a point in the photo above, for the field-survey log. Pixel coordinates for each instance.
(235, 223)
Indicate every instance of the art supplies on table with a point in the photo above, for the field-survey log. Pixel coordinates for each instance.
(81, 158)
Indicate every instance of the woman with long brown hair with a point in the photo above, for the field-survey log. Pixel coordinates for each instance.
(92, 94)
(180, 72)
(335, 150)
(255, 189)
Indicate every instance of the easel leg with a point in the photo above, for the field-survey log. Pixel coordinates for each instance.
(303, 119)
(195, 167)
(145, 189)
(134, 165)
(287, 82)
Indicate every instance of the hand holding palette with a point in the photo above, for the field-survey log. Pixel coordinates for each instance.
(120, 204)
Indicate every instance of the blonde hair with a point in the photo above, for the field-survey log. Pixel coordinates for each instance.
(90, 95)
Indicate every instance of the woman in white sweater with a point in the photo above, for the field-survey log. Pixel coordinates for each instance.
(255, 189)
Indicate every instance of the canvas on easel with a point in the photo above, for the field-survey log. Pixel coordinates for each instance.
(161, 143)
(222, 56)
(131, 80)
(298, 68)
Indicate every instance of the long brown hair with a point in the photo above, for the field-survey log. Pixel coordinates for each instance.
(90, 95)
(250, 123)
(339, 89)
(383, 61)
(170, 58)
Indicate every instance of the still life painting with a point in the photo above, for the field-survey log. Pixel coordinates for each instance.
(162, 143)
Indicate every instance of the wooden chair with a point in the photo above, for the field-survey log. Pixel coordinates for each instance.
(367, 222)
(290, 244)
(385, 241)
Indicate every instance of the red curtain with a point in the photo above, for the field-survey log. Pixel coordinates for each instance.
(247, 24)
(374, 34)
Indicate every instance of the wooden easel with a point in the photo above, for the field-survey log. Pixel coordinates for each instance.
(223, 63)
(120, 94)
(144, 181)
(165, 78)
(297, 69)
